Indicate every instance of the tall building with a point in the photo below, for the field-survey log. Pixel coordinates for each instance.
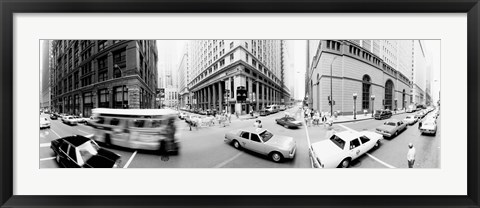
(419, 64)
(223, 72)
(169, 72)
(91, 74)
(184, 79)
(45, 76)
(353, 76)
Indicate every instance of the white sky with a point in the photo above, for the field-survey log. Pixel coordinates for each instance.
(433, 58)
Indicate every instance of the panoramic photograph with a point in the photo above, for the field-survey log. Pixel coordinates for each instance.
(239, 104)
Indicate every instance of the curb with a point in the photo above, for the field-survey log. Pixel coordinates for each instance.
(363, 119)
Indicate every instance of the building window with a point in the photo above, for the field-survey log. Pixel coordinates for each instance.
(103, 98)
(231, 57)
(102, 63)
(366, 92)
(87, 104)
(388, 95)
(119, 56)
(246, 45)
(246, 57)
(102, 45)
(121, 97)
(102, 75)
(231, 45)
(117, 73)
(76, 104)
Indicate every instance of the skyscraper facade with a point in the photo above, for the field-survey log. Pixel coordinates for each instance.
(183, 79)
(350, 75)
(224, 71)
(45, 76)
(91, 74)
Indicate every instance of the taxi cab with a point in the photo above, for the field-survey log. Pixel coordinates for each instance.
(342, 148)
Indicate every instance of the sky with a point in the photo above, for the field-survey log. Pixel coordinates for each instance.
(433, 59)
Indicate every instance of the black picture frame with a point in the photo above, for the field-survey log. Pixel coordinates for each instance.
(10, 7)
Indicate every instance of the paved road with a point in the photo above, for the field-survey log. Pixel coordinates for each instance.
(202, 148)
(392, 152)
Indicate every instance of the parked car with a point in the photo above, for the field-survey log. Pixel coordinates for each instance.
(288, 122)
(70, 120)
(429, 126)
(382, 114)
(81, 152)
(391, 128)
(410, 120)
(44, 123)
(342, 148)
(276, 147)
(53, 116)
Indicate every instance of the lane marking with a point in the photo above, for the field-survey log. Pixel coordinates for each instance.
(378, 160)
(228, 161)
(48, 158)
(130, 160)
(56, 133)
(83, 131)
(45, 144)
(368, 154)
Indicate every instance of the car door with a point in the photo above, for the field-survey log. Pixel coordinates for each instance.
(71, 159)
(63, 154)
(256, 144)
(367, 144)
(355, 148)
(244, 138)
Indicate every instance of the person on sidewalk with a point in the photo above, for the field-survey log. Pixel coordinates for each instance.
(411, 155)
(420, 124)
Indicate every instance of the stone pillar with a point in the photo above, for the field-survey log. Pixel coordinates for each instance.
(220, 95)
(209, 97)
(214, 96)
(257, 86)
(264, 95)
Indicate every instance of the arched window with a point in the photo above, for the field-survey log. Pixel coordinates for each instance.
(366, 92)
(388, 94)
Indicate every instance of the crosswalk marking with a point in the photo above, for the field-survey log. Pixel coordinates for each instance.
(48, 158)
(130, 160)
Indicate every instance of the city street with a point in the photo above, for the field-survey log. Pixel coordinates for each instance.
(392, 152)
(202, 148)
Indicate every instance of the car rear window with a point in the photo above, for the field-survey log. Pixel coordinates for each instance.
(390, 123)
(338, 141)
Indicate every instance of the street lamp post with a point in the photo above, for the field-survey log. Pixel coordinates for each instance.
(331, 85)
(354, 106)
(373, 102)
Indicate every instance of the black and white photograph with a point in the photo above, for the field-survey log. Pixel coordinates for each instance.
(256, 103)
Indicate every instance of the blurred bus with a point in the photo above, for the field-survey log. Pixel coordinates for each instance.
(148, 129)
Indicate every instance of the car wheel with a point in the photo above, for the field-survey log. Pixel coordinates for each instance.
(236, 144)
(396, 133)
(345, 163)
(276, 157)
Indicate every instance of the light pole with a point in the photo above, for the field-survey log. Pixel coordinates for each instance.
(354, 106)
(373, 102)
(331, 85)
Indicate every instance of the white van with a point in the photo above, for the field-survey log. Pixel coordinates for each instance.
(272, 109)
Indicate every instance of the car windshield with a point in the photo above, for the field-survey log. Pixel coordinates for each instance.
(338, 141)
(266, 135)
(87, 150)
(390, 123)
(378, 111)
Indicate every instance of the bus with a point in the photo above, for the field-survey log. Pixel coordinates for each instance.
(147, 129)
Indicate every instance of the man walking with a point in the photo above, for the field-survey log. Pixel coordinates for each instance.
(411, 155)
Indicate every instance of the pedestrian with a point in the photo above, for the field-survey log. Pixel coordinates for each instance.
(236, 114)
(411, 155)
(257, 124)
(420, 124)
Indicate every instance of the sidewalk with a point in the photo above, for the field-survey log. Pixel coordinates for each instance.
(359, 117)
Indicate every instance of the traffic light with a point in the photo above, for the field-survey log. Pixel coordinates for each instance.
(241, 94)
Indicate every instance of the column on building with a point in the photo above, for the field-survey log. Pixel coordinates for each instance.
(249, 94)
(264, 100)
(256, 96)
(209, 96)
(214, 96)
(220, 106)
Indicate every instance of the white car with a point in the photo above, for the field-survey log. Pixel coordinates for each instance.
(343, 147)
(429, 126)
(44, 123)
(70, 120)
(410, 120)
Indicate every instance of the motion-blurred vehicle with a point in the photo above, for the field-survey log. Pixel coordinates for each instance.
(429, 126)
(391, 128)
(147, 129)
(342, 148)
(411, 108)
(44, 123)
(262, 141)
(288, 122)
(410, 120)
(70, 120)
(382, 114)
(81, 152)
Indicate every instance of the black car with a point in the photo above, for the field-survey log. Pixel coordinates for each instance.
(81, 152)
(288, 122)
(53, 117)
(382, 114)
